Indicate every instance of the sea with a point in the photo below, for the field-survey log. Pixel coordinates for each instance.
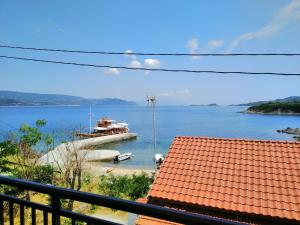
(171, 121)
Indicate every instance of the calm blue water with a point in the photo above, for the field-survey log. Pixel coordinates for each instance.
(223, 121)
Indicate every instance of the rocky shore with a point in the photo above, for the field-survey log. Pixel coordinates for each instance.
(278, 112)
(289, 130)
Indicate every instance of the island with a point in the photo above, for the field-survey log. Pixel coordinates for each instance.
(212, 104)
(14, 98)
(287, 99)
(276, 108)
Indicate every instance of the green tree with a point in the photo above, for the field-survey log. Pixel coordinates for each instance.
(24, 157)
(7, 149)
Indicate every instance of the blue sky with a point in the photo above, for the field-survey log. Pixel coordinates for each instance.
(210, 26)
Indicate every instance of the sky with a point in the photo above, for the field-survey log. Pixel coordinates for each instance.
(194, 26)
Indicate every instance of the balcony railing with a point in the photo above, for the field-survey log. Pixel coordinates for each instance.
(56, 211)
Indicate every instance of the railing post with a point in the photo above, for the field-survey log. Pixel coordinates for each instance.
(55, 203)
(11, 213)
(1, 212)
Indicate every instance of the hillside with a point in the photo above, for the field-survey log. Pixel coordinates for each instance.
(13, 98)
(288, 99)
(212, 104)
(276, 108)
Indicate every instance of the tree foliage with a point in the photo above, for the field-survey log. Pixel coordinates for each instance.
(127, 187)
(19, 159)
(276, 107)
(7, 149)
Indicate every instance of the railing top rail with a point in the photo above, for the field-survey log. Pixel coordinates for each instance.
(115, 203)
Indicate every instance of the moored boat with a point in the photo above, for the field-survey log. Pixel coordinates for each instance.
(123, 157)
(105, 127)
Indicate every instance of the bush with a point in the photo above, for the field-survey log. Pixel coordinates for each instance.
(43, 174)
(128, 187)
(7, 149)
(87, 178)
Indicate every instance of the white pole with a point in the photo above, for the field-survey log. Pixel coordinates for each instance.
(90, 118)
(154, 123)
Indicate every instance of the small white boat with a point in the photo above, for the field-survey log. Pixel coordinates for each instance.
(159, 158)
(123, 157)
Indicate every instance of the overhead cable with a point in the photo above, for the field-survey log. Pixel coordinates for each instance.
(148, 69)
(147, 54)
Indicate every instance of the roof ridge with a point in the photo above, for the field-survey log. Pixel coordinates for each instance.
(239, 139)
(238, 202)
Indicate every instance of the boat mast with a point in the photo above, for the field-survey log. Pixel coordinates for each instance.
(90, 116)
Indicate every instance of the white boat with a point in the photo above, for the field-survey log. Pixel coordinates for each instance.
(123, 157)
(105, 127)
(159, 158)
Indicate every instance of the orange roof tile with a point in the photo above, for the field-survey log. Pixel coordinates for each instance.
(146, 220)
(142, 200)
(249, 176)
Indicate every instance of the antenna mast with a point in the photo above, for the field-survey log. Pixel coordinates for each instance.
(152, 101)
(90, 116)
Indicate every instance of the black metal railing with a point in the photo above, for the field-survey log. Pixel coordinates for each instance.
(56, 211)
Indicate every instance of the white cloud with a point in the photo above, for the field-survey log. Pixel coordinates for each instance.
(128, 51)
(213, 44)
(193, 46)
(152, 63)
(182, 92)
(112, 71)
(135, 64)
(287, 15)
(133, 57)
(148, 63)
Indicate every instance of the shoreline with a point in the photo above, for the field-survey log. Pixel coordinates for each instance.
(271, 113)
(16, 106)
(98, 169)
(291, 131)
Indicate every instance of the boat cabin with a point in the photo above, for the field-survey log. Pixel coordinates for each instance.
(107, 126)
(104, 127)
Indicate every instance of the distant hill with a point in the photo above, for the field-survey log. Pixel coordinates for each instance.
(13, 98)
(212, 104)
(288, 99)
(276, 108)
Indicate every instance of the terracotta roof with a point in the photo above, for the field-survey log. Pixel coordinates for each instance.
(146, 220)
(247, 176)
(142, 200)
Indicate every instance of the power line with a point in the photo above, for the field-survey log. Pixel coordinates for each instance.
(148, 54)
(149, 69)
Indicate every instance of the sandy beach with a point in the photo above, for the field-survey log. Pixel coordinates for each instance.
(97, 169)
